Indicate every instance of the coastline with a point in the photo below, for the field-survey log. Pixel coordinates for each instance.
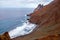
(47, 20)
(49, 26)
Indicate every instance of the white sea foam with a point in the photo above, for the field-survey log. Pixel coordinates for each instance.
(26, 28)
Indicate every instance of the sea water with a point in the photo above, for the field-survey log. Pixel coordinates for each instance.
(14, 21)
(25, 29)
(10, 18)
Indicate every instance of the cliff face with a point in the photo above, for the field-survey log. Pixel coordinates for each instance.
(47, 13)
(48, 23)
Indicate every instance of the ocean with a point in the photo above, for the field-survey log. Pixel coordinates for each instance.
(14, 21)
(10, 18)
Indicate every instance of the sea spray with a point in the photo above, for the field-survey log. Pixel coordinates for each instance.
(26, 28)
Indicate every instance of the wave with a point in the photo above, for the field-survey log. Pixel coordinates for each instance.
(26, 28)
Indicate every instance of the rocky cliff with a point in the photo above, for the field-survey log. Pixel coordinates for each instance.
(48, 22)
(47, 19)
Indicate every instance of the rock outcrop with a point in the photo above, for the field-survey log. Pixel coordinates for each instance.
(38, 7)
(48, 23)
(5, 36)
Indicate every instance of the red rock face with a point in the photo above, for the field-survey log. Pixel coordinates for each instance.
(49, 12)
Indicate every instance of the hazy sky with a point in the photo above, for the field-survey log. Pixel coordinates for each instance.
(22, 3)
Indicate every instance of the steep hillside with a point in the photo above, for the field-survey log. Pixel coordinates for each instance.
(47, 20)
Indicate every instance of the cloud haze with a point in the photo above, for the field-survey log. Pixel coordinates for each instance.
(22, 3)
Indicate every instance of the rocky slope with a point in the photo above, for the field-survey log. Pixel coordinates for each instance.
(51, 37)
(47, 19)
(48, 22)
